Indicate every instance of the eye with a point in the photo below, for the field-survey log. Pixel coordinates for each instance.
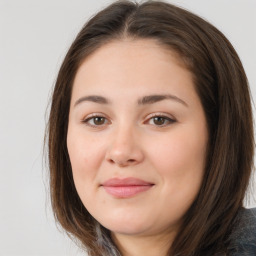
(160, 120)
(96, 121)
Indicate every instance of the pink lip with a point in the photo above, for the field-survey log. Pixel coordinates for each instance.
(124, 188)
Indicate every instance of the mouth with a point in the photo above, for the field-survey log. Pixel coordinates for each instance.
(125, 188)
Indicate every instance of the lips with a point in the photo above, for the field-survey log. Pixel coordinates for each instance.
(125, 188)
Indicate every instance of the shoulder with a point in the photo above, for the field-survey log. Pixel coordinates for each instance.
(243, 237)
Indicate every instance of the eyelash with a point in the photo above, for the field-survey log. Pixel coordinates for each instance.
(93, 117)
(151, 117)
(166, 118)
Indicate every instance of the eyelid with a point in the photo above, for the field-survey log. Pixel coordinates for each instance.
(96, 114)
(168, 117)
(87, 118)
(161, 114)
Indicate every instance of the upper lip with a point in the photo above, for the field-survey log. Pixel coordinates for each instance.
(119, 182)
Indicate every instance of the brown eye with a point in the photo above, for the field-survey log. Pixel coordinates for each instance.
(159, 120)
(98, 120)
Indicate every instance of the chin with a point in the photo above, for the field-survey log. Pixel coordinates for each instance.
(129, 225)
(131, 230)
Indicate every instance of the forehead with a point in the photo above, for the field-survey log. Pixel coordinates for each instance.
(134, 61)
(131, 69)
(133, 50)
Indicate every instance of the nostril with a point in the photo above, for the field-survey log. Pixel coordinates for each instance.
(111, 161)
(122, 163)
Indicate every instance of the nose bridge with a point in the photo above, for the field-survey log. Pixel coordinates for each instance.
(124, 148)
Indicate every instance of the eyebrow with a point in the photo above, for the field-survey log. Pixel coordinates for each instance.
(156, 98)
(151, 99)
(92, 98)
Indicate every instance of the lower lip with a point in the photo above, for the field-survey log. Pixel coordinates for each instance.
(126, 191)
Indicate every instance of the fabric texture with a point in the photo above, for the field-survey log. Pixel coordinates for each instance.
(243, 238)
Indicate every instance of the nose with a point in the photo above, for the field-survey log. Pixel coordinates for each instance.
(124, 149)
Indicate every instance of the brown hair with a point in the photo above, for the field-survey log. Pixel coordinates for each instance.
(222, 86)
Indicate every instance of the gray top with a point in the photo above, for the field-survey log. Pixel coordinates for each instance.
(243, 238)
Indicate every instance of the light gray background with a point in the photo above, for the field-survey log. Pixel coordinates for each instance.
(34, 36)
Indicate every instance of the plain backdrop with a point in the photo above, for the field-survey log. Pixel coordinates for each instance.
(34, 37)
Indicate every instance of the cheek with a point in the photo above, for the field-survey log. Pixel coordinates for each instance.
(86, 155)
(180, 163)
(180, 151)
(180, 158)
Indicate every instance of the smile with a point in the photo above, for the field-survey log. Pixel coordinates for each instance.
(125, 188)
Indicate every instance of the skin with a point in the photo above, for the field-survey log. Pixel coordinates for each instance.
(126, 141)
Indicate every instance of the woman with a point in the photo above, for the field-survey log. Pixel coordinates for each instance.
(151, 137)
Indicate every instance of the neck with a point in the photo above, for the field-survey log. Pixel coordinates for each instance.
(130, 245)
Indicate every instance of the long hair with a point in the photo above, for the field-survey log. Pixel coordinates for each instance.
(222, 86)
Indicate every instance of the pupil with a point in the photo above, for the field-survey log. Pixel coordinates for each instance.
(159, 120)
(99, 120)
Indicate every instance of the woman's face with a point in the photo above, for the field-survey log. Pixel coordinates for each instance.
(137, 138)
